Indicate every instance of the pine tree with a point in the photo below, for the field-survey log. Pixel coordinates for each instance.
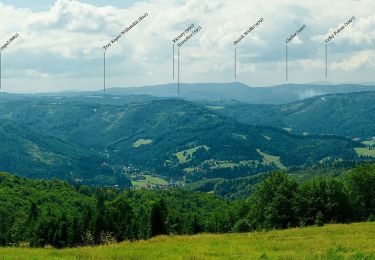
(158, 218)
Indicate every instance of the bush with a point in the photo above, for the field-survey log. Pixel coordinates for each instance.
(319, 219)
(24, 244)
(302, 223)
(107, 238)
(242, 226)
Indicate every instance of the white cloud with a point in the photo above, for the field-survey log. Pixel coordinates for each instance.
(75, 32)
(356, 61)
(36, 74)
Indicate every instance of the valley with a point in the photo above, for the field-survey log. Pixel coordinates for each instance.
(173, 139)
(84, 170)
(187, 129)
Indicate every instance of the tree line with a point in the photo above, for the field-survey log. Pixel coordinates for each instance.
(39, 213)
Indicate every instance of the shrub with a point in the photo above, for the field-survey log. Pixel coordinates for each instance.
(242, 226)
(319, 219)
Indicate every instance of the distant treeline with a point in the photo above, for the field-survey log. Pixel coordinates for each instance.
(40, 213)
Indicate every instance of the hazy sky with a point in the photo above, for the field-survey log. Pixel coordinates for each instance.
(60, 44)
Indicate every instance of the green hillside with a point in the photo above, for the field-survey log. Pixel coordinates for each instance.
(351, 115)
(173, 137)
(353, 241)
(29, 153)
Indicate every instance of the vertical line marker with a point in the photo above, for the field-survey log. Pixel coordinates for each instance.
(1, 77)
(326, 60)
(173, 60)
(286, 62)
(178, 85)
(104, 72)
(235, 62)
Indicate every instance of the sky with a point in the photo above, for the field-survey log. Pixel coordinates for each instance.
(60, 43)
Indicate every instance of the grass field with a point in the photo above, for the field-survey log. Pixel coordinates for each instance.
(365, 152)
(355, 241)
(149, 180)
(239, 136)
(141, 142)
(267, 137)
(370, 142)
(186, 155)
(215, 107)
(269, 159)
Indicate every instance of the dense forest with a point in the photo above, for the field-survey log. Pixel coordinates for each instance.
(231, 176)
(39, 212)
(96, 142)
(350, 114)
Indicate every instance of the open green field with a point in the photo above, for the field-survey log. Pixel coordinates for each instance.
(215, 107)
(141, 142)
(365, 152)
(185, 156)
(269, 159)
(370, 142)
(355, 241)
(149, 180)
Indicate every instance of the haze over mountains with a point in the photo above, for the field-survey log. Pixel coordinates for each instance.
(237, 91)
(280, 94)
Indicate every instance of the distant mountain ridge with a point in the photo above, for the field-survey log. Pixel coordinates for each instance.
(345, 114)
(237, 91)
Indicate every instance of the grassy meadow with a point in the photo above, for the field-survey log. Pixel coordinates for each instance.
(186, 155)
(354, 241)
(149, 180)
(141, 142)
(269, 159)
(365, 152)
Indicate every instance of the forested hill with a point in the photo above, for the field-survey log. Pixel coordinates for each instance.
(44, 213)
(183, 136)
(172, 137)
(351, 115)
(40, 213)
(29, 153)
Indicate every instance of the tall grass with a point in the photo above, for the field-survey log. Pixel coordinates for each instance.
(354, 241)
